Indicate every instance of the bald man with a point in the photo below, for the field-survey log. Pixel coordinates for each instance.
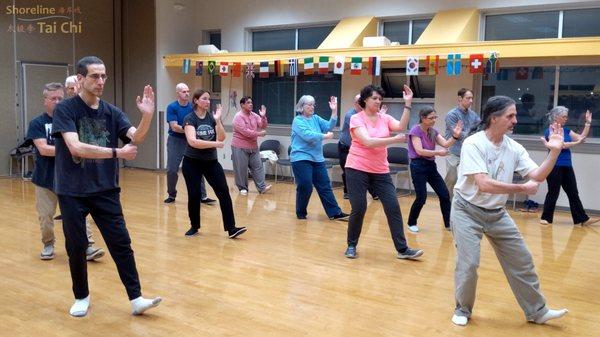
(176, 143)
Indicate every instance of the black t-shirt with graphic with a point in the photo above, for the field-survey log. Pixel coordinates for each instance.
(205, 130)
(43, 173)
(104, 126)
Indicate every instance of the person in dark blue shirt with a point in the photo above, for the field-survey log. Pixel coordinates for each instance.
(87, 132)
(40, 133)
(176, 142)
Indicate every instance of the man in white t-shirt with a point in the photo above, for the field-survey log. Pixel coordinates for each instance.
(489, 159)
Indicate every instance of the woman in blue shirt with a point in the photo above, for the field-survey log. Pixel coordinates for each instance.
(562, 174)
(306, 155)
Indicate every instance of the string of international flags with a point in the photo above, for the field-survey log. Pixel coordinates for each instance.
(477, 64)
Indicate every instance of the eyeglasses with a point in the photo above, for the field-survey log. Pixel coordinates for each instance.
(432, 117)
(54, 99)
(96, 77)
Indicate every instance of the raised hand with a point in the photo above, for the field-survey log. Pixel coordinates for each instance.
(530, 187)
(217, 113)
(457, 129)
(146, 103)
(263, 111)
(333, 104)
(407, 94)
(588, 116)
(127, 152)
(555, 139)
(384, 109)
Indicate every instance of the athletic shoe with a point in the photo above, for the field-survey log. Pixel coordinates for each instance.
(208, 200)
(350, 252)
(169, 200)
(267, 188)
(414, 229)
(192, 232)
(237, 231)
(342, 217)
(47, 252)
(93, 253)
(244, 192)
(410, 254)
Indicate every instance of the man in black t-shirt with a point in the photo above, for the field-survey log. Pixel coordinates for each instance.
(40, 133)
(87, 131)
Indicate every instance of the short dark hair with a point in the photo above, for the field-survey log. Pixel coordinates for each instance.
(197, 94)
(52, 86)
(495, 107)
(245, 99)
(463, 91)
(367, 92)
(82, 65)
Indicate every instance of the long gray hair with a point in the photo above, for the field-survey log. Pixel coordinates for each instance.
(557, 112)
(495, 107)
(304, 100)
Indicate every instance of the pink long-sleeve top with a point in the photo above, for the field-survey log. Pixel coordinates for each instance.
(246, 127)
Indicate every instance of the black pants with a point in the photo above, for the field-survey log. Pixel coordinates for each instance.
(563, 176)
(425, 171)
(358, 182)
(105, 209)
(193, 171)
(343, 151)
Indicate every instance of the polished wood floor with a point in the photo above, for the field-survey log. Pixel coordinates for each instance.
(284, 277)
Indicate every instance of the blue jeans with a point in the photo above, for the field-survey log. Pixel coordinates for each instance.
(309, 174)
(425, 171)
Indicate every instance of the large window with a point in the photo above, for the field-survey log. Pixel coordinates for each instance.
(290, 39)
(535, 91)
(278, 95)
(540, 25)
(405, 32)
(393, 80)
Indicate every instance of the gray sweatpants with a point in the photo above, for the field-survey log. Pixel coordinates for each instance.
(244, 159)
(469, 223)
(175, 149)
(452, 162)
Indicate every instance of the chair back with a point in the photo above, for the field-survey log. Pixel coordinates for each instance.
(330, 150)
(398, 155)
(271, 144)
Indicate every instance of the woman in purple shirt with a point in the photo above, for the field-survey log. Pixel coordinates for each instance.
(421, 150)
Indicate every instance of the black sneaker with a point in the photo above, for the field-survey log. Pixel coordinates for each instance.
(342, 217)
(169, 200)
(58, 217)
(350, 252)
(192, 232)
(208, 201)
(410, 254)
(301, 217)
(237, 231)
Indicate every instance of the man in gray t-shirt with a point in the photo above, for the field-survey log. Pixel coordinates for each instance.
(470, 121)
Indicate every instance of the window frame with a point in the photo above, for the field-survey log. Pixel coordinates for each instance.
(380, 27)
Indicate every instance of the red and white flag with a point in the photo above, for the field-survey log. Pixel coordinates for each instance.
(338, 66)
(224, 69)
(476, 64)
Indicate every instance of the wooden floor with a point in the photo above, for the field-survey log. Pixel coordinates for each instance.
(284, 277)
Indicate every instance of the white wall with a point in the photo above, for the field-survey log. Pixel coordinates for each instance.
(180, 31)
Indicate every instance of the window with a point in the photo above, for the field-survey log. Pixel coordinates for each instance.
(393, 80)
(579, 90)
(581, 22)
(533, 90)
(405, 32)
(537, 25)
(285, 39)
(214, 38)
(311, 38)
(278, 95)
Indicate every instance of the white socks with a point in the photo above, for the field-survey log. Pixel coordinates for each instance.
(80, 307)
(459, 320)
(140, 304)
(551, 314)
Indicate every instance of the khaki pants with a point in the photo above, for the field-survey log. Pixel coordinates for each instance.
(452, 162)
(45, 202)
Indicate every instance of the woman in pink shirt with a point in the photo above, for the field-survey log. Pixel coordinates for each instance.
(247, 127)
(367, 167)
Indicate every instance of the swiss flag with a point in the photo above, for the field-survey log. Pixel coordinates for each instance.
(476, 65)
(224, 68)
